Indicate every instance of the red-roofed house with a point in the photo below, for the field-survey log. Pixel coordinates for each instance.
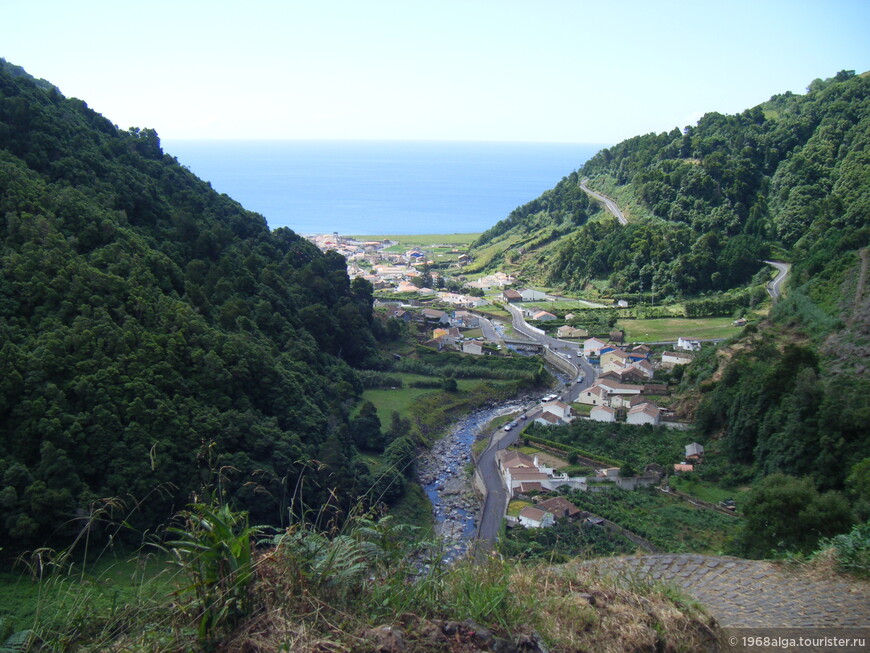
(560, 507)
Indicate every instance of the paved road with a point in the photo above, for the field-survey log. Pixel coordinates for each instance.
(495, 505)
(775, 286)
(496, 502)
(570, 350)
(609, 204)
(489, 331)
(752, 593)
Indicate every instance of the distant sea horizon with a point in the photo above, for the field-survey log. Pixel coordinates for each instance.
(381, 187)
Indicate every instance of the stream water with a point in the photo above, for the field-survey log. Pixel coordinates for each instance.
(445, 474)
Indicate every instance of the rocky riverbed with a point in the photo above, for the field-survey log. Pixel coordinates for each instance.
(445, 473)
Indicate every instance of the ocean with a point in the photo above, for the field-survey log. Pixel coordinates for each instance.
(381, 187)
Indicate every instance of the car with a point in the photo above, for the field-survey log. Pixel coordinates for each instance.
(508, 427)
(523, 416)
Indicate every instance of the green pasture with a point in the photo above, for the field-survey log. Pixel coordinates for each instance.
(425, 240)
(402, 400)
(672, 328)
(707, 490)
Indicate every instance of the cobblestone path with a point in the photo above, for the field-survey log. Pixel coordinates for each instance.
(752, 593)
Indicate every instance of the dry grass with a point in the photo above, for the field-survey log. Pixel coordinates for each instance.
(572, 608)
(580, 610)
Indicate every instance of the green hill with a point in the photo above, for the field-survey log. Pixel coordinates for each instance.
(789, 177)
(153, 331)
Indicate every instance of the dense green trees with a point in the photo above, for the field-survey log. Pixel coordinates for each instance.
(708, 202)
(153, 331)
(783, 513)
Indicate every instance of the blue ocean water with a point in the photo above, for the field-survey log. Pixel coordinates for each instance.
(381, 187)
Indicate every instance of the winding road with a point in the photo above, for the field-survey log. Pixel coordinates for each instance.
(775, 286)
(609, 204)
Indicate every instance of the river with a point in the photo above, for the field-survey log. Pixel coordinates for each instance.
(445, 474)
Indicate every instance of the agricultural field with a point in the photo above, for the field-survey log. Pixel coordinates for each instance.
(707, 490)
(665, 329)
(404, 399)
(425, 240)
(669, 523)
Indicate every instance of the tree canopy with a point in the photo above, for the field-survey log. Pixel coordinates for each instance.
(154, 331)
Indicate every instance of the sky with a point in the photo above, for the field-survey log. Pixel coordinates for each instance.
(477, 70)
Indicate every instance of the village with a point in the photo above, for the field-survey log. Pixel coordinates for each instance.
(622, 386)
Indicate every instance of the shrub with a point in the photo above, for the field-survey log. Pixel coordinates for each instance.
(852, 550)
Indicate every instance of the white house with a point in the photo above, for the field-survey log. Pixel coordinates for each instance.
(566, 331)
(544, 316)
(644, 368)
(532, 517)
(558, 408)
(530, 295)
(469, 347)
(548, 419)
(687, 344)
(594, 395)
(694, 451)
(645, 413)
(602, 414)
(618, 388)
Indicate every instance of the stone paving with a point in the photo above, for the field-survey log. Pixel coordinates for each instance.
(752, 593)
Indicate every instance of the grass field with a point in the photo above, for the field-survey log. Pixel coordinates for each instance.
(707, 491)
(661, 329)
(402, 400)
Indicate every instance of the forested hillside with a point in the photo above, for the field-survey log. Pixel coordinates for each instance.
(706, 203)
(788, 179)
(152, 332)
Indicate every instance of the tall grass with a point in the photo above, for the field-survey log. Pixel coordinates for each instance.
(318, 584)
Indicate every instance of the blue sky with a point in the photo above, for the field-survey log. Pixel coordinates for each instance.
(498, 70)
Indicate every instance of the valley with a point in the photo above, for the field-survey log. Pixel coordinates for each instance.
(665, 352)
